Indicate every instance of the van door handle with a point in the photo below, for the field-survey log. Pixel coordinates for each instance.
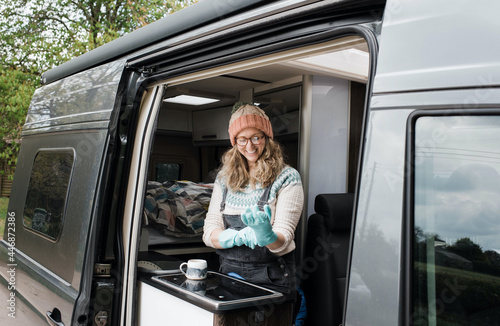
(54, 317)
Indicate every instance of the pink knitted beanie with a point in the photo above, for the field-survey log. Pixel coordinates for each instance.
(247, 116)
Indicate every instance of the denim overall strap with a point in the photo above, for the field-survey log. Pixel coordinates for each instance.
(264, 198)
(223, 201)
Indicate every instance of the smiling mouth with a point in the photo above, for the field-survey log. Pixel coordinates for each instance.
(251, 152)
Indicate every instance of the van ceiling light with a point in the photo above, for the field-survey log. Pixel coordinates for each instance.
(190, 100)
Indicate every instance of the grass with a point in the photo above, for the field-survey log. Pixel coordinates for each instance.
(4, 203)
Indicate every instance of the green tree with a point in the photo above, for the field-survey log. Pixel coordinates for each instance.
(40, 34)
(16, 88)
(36, 35)
(466, 248)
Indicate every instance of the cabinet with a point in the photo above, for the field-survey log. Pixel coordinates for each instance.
(218, 300)
(174, 120)
(212, 124)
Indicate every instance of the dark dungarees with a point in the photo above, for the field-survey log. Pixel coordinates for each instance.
(259, 266)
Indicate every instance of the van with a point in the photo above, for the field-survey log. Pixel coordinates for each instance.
(388, 109)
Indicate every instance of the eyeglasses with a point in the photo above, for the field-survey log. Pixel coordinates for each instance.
(256, 140)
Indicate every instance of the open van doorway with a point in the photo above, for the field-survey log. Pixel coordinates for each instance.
(314, 96)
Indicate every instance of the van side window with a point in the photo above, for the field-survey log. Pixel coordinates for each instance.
(47, 191)
(456, 231)
(167, 171)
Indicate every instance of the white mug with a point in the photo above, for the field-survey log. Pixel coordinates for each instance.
(196, 269)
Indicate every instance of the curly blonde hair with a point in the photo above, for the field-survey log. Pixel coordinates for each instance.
(235, 170)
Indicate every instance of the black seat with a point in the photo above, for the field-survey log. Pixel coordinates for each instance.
(325, 262)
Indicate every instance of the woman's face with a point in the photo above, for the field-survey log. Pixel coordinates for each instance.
(255, 143)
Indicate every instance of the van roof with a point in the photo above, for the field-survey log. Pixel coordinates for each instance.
(189, 18)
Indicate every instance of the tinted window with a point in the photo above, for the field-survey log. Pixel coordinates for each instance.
(167, 172)
(47, 192)
(456, 245)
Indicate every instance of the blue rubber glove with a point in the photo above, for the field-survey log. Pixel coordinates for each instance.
(247, 236)
(230, 238)
(260, 222)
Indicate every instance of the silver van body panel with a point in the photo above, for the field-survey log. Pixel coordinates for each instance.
(44, 266)
(438, 45)
(377, 259)
(469, 98)
(444, 58)
(375, 272)
(72, 114)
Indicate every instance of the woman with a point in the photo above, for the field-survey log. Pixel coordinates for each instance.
(256, 204)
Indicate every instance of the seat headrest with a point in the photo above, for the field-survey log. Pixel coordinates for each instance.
(337, 210)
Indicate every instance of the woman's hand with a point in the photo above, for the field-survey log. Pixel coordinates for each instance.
(247, 236)
(260, 223)
(230, 238)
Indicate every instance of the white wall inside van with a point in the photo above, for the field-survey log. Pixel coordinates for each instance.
(329, 137)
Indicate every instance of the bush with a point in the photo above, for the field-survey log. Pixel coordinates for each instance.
(4, 203)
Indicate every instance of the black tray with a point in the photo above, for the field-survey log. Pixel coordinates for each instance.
(218, 291)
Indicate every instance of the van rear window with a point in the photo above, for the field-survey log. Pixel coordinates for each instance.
(48, 191)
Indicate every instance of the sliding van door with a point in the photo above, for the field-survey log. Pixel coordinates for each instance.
(48, 249)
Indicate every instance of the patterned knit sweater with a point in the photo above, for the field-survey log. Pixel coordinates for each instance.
(286, 199)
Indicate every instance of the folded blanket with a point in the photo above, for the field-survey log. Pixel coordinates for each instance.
(178, 208)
